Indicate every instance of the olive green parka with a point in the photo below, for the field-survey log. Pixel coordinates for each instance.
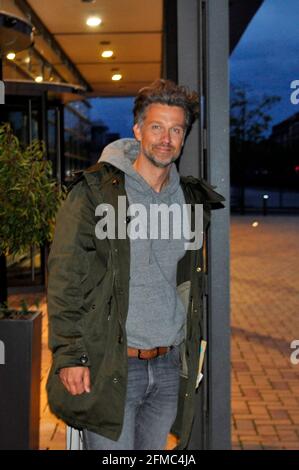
(88, 303)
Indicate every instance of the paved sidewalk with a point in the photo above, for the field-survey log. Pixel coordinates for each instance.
(265, 320)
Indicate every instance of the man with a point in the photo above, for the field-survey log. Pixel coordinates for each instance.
(125, 313)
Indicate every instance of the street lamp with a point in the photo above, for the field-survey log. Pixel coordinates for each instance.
(265, 204)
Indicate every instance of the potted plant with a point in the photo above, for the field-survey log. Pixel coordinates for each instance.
(29, 200)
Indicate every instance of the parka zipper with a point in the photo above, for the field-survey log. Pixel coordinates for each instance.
(109, 309)
(111, 296)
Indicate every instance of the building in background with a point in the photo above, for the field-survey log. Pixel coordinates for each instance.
(127, 45)
(286, 133)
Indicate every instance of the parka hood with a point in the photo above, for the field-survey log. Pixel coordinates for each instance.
(122, 154)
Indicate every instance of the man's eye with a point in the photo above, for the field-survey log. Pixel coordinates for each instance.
(177, 130)
(155, 126)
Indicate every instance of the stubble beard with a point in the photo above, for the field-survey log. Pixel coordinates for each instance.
(151, 157)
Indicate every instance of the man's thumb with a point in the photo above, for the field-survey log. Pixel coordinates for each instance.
(86, 380)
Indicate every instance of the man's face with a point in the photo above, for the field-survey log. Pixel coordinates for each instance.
(161, 133)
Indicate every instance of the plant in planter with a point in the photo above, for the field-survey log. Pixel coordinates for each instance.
(22, 313)
(29, 200)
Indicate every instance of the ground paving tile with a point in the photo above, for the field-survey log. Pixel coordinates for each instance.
(264, 322)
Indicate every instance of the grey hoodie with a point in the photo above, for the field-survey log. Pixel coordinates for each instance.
(156, 316)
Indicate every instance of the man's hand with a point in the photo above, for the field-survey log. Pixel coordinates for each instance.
(75, 379)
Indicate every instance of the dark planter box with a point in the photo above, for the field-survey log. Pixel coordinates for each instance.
(20, 370)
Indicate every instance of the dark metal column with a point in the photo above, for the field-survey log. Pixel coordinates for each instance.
(44, 136)
(217, 40)
(170, 48)
(2, 88)
(203, 52)
(188, 74)
(3, 266)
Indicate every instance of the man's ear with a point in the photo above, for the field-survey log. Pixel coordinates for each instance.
(137, 132)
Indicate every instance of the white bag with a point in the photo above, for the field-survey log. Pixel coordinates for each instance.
(74, 439)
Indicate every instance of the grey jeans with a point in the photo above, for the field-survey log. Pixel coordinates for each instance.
(151, 405)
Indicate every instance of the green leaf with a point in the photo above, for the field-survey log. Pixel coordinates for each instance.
(29, 196)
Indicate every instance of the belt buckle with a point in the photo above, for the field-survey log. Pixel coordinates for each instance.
(147, 358)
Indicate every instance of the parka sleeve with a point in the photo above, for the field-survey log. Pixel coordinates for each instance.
(68, 267)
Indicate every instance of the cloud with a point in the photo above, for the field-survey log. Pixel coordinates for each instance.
(267, 56)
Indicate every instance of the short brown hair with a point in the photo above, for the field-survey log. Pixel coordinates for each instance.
(169, 93)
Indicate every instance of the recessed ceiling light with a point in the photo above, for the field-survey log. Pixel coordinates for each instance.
(116, 77)
(107, 54)
(11, 56)
(93, 21)
(39, 79)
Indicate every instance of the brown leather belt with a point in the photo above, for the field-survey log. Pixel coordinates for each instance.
(147, 354)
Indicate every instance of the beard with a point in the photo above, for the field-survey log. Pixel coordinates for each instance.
(159, 164)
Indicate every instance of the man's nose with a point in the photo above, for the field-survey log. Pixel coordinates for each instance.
(166, 136)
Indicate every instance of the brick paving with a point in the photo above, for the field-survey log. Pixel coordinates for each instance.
(264, 321)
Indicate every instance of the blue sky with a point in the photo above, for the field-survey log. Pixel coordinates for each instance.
(116, 113)
(266, 59)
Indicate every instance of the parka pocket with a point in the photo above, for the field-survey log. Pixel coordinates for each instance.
(97, 270)
(98, 319)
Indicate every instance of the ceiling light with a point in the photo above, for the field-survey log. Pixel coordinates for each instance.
(116, 77)
(93, 21)
(39, 79)
(107, 54)
(11, 56)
